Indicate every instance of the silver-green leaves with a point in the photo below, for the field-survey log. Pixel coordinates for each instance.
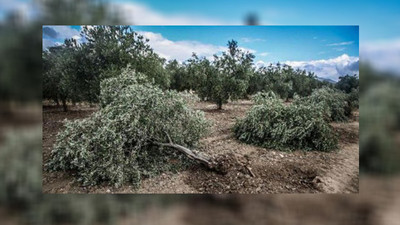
(273, 124)
(115, 144)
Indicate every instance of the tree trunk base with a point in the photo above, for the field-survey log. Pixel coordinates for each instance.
(212, 164)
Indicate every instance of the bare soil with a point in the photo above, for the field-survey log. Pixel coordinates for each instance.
(249, 169)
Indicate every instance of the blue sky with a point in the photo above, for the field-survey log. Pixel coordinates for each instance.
(377, 19)
(329, 51)
(271, 43)
(379, 22)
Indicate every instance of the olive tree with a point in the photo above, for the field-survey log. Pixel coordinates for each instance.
(180, 79)
(106, 51)
(136, 133)
(283, 80)
(118, 46)
(60, 81)
(272, 124)
(335, 103)
(347, 83)
(227, 77)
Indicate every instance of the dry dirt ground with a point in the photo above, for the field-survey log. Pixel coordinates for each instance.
(272, 171)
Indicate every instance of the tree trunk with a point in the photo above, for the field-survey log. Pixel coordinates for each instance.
(205, 160)
(219, 104)
(64, 103)
(189, 153)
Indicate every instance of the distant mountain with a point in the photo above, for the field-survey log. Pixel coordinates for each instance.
(326, 79)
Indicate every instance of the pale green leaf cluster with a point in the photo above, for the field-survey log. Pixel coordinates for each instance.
(271, 123)
(117, 143)
(335, 103)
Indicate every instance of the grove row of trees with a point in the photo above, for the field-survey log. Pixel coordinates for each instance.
(73, 71)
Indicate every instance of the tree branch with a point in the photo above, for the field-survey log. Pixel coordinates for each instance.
(189, 153)
(169, 138)
(206, 161)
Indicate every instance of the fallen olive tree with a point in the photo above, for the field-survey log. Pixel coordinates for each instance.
(139, 131)
(335, 104)
(271, 123)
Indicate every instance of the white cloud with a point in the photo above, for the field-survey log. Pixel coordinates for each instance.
(64, 32)
(76, 37)
(179, 50)
(138, 14)
(341, 43)
(260, 63)
(263, 54)
(383, 55)
(182, 50)
(47, 43)
(329, 68)
(248, 40)
(59, 32)
(245, 50)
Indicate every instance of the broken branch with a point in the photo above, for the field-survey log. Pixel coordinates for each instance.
(202, 159)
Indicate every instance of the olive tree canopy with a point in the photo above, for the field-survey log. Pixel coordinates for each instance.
(135, 134)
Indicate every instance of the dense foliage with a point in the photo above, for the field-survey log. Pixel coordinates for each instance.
(21, 74)
(59, 82)
(202, 77)
(347, 83)
(234, 69)
(117, 143)
(353, 98)
(272, 124)
(180, 79)
(73, 72)
(224, 78)
(334, 103)
(284, 81)
(350, 85)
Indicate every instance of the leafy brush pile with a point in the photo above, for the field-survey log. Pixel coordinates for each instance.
(272, 124)
(335, 104)
(120, 142)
